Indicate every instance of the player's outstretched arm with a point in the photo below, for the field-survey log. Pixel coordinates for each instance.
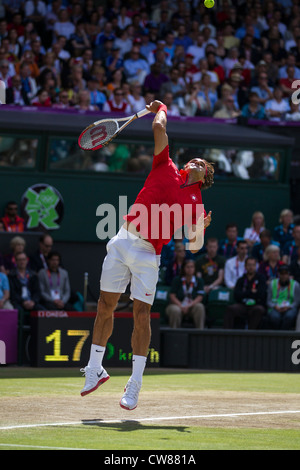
(159, 126)
(196, 233)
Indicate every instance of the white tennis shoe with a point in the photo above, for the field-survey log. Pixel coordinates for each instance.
(94, 377)
(130, 398)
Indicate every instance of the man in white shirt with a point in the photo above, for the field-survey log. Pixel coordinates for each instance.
(64, 27)
(277, 108)
(197, 50)
(235, 267)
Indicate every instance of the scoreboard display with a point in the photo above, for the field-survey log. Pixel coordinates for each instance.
(63, 339)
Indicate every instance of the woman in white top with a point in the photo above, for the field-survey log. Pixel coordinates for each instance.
(135, 99)
(252, 233)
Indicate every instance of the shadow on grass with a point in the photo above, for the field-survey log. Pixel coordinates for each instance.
(132, 425)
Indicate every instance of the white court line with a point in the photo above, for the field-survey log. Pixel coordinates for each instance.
(160, 418)
(28, 446)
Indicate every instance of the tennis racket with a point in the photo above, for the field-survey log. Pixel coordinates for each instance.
(100, 133)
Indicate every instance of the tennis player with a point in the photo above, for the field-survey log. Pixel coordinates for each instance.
(133, 255)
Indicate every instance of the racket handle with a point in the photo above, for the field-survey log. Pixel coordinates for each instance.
(142, 113)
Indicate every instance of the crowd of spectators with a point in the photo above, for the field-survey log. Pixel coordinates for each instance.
(36, 280)
(240, 58)
(259, 271)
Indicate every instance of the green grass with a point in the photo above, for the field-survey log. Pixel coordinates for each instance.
(134, 435)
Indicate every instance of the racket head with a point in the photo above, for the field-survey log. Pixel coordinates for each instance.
(98, 134)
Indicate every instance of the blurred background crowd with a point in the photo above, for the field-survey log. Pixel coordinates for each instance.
(239, 58)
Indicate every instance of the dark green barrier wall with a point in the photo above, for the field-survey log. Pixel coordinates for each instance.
(82, 194)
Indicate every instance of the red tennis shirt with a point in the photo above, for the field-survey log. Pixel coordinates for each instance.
(165, 203)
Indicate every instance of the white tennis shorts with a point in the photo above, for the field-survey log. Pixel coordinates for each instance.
(130, 259)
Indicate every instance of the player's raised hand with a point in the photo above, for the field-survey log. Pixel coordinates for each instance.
(153, 107)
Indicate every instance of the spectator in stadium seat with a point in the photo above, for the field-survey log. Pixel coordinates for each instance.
(289, 252)
(123, 41)
(239, 91)
(170, 46)
(284, 231)
(253, 109)
(116, 81)
(136, 68)
(42, 99)
(84, 101)
(197, 50)
(79, 39)
(38, 260)
(228, 109)
(16, 94)
(175, 86)
(28, 59)
(263, 90)
(135, 98)
(250, 294)
(63, 27)
(283, 300)
(182, 38)
(259, 247)
(215, 67)
(286, 83)
(54, 284)
(5, 303)
(24, 286)
(294, 114)
(227, 246)
(76, 78)
(63, 100)
(231, 59)
(155, 79)
(35, 11)
(210, 266)
(252, 233)
(11, 220)
(226, 90)
(271, 263)
(277, 107)
(117, 103)
(97, 98)
(174, 265)
(290, 61)
(186, 296)
(17, 245)
(14, 46)
(235, 266)
(173, 109)
(5, 76)
(114, 61)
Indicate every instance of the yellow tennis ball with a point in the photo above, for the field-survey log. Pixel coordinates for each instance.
(209, 3)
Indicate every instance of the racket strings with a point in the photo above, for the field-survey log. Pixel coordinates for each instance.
(98, 135)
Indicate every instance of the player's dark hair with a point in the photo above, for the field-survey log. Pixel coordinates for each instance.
(209, 177)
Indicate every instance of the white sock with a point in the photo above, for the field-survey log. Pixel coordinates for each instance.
(138, 367)
(96, 356)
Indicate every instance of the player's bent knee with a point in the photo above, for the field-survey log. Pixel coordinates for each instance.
(107, 303)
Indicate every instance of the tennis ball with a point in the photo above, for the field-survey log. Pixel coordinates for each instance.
(209, 3)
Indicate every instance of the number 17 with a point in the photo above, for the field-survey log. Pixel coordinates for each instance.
(56, 338)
